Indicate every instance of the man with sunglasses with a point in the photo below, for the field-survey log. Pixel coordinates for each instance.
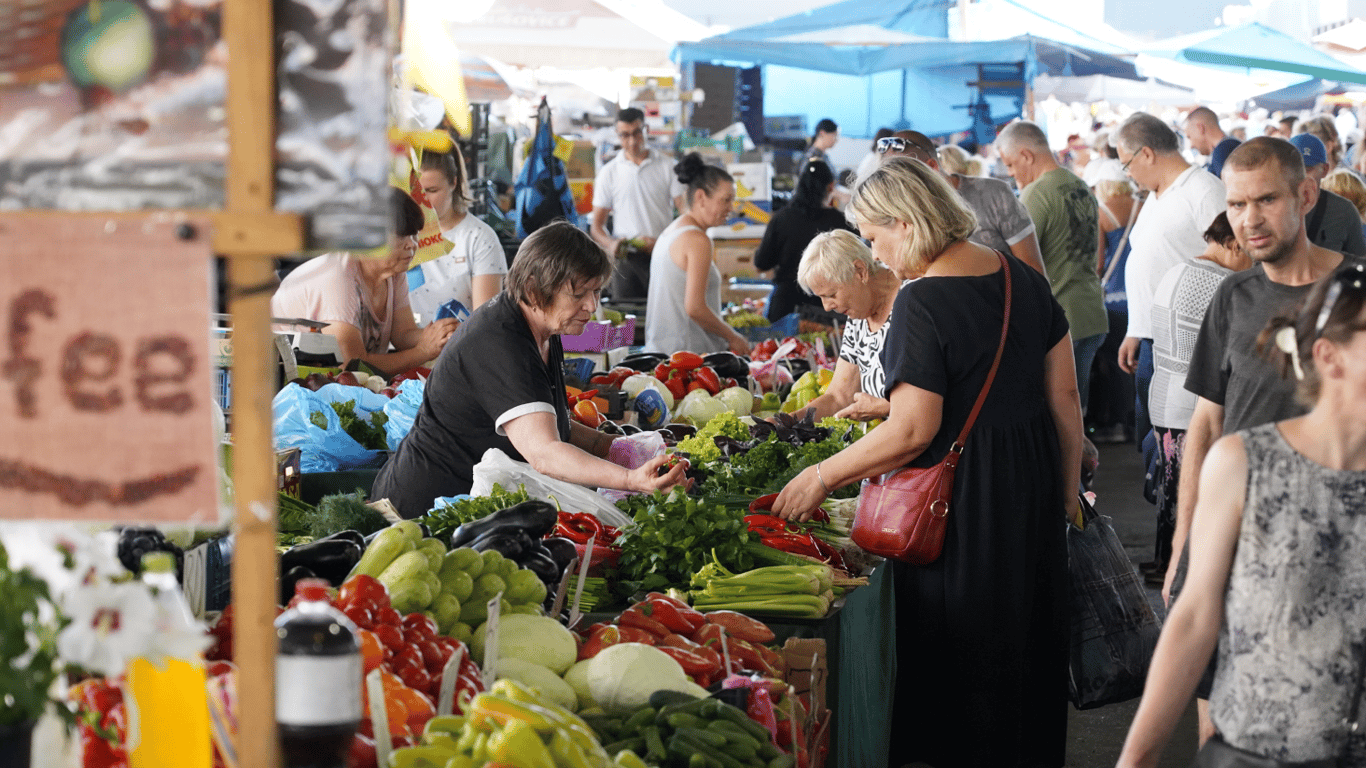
(1268, 195)
(1003, 223)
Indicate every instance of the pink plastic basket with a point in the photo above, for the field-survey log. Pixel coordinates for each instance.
(600, 336)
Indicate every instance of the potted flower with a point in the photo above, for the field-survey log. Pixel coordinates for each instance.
(29, 623)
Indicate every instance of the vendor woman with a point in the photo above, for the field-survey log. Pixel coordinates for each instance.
(500, 384)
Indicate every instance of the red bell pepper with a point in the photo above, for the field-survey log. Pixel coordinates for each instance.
(636, 616)
(694, 617)
(601, 637)
(662, 371)
(676, 387)
(637, 635)
(686, 361)
(670, 616)
(712, 655)
(708, 378)
(741, 626)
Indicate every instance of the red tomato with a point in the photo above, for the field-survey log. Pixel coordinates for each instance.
(447, 646)
(387, 615)
(391, 636)
(366, 727)
(415, 676)
(362, 753)
(432, 657)
(360, 615)
(407, 656)
(371, 650)
(422, 627)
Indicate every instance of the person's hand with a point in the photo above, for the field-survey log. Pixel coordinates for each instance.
(801, 497)
(739, 345)
(649, 246)
(646, 477)
(1128, 354)
(435, 336)
(865, 408)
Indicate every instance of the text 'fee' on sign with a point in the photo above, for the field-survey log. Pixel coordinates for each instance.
(106, 386)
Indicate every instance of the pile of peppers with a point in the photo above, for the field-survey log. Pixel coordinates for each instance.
(783, 536)
(579, 527)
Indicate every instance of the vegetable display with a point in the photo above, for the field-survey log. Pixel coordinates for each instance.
(673, 536)
(443, 520)
(370, 434)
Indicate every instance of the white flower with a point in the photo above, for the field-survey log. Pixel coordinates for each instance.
(110, 624)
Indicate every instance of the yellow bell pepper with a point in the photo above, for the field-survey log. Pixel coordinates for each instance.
(519, 746)
(488, 708)
(567, 753)
(625, 759)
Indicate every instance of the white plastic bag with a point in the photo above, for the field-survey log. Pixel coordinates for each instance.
(498, 467)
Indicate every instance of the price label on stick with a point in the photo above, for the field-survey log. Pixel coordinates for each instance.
(725, 654)
(491, 641)
(450, 677)
(379, 717)
(563, 590)
(575, 615)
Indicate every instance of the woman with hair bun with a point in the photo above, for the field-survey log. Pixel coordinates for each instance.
(684, 311)
(789, 232)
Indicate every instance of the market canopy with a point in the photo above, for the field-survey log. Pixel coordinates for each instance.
(1253, 46)
(1115, 90)
(1299, 96)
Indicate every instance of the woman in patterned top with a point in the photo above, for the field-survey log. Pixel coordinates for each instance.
(1276, 574)
(840, 270)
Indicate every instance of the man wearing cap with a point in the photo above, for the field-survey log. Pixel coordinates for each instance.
(1333, 222)
(1207, 138)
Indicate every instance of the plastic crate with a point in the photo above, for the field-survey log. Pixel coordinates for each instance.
(600, 336)
(786, 326)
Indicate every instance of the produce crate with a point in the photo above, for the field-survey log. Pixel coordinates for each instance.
(786, 326)
(600, 336)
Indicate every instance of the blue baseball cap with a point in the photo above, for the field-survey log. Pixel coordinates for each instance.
(1311, 149)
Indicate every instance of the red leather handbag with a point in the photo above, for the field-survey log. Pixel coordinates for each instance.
(903, 514)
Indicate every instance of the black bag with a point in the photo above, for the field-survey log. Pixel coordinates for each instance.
(1114, 629)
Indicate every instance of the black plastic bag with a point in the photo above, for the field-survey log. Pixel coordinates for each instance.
(1114, 629)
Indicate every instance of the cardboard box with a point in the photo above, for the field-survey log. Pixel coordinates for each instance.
(582, 162)
(735, 258)
(807, 670)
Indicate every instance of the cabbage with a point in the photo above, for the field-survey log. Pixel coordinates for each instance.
(692, 397)
(737, 400)
(634, 385)
(701, 410)
(622, 677)
(545, 682)
(577, 678)
(537, 639)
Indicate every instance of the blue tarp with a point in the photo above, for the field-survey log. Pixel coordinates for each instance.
(1299, 96)
(1253, 46)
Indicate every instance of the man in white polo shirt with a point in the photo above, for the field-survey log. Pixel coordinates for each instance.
(636, 187)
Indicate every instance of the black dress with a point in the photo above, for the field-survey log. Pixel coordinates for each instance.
(982, 633)
(787, 235)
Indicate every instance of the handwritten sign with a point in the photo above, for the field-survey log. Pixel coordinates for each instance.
(106, 381)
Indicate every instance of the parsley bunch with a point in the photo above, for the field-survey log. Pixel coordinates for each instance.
(370, 434)
(443, 521)
(672, 537)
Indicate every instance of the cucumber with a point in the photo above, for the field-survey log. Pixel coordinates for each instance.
(409, 566)
(662, 699)
(385, 549)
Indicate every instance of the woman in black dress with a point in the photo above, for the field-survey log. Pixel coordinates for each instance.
(790, 231)
(982, 632)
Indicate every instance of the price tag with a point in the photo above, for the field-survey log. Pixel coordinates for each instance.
(379, 718)
(725, 654)
(450, 678)
(491, 641)
(563, 590)
(575, 615)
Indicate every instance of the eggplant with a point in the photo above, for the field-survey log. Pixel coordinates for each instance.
(562, 551)
(330, 558)
(348, 535)
(537, 518)
(679, 431)
(540, 562)
(610, 428)
(644, 362)
(727, 364)
(290, 579)
(511, 543)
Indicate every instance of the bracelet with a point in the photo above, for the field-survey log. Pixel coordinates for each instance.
(822, 479)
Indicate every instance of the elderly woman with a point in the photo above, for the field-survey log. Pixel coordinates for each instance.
(685, 285)
(364, 299)
(500, 384)
(982, 632)
(839, 269)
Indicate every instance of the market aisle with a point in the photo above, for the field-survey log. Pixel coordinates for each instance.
(1094, 737)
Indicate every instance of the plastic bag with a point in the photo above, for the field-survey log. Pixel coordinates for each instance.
(321, 450)
(1114, 630)
(498, 467)
(402, 411)
(632, 451)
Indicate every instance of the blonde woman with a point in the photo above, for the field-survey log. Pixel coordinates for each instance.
(1324, 128)
(1347, 185)
(953, 160)
(982, 633)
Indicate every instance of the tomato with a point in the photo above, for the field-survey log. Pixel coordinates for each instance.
(686, 361)
(416, 676)
(371, 650)
(447, 646)
(417, 704)
(662, 371)
(391, 636)
(360, 615)
(366, 727)
(431, 656)
(421, 625)
(708, 379)
(362, 752)
(397, 712)
(387, 615)
(407, 656)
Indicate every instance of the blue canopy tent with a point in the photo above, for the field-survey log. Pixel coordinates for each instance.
(867, 64)
(1299, 96)
(1254, 47)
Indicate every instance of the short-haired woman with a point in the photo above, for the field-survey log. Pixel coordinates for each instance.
(472, 272)
(826, 135)
(788, 234)
(364, 298)
(500, 384)
(685, 285)
(1276, 571)
(840, 270)
(982, 632)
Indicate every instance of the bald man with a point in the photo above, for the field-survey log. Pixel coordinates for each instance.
(1207, 138)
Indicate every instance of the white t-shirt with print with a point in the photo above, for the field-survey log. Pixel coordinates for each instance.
(475, 251)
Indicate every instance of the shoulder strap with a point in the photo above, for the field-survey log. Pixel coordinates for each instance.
(1123, 239)
(957, 446)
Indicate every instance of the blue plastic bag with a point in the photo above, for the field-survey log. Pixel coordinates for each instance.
(402, 410)
(322, 450)
(453, 308)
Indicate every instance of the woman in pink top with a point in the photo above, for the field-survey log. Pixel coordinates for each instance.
(364, 299)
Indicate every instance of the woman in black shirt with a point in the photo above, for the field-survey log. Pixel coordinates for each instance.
(788, 234)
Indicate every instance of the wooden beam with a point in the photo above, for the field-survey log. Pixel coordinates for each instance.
(265, 233)
(249, 28)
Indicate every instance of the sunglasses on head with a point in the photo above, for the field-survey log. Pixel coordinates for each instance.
(898, 144)
(1353, 277)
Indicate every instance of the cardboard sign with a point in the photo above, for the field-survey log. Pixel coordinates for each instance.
(106, 382)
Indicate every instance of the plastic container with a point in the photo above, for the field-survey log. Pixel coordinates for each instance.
(317, 681)
(786, 326)
(168, 710)
(600, 336)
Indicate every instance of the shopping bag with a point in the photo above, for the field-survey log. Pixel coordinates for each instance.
(1114, 629)
(498, 467)
(322, 449)
(402, 410)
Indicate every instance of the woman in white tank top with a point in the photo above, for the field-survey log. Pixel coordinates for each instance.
(684, 304)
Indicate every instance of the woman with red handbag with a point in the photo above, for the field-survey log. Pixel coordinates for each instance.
(982, 624)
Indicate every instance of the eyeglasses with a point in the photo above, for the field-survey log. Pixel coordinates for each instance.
(1353, 277)
(1125, 168)
(898, 144)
